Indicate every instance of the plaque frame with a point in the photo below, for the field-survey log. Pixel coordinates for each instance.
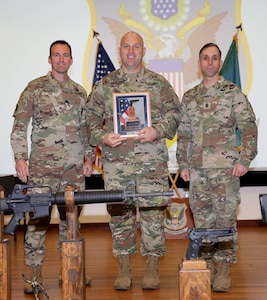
(126, 123)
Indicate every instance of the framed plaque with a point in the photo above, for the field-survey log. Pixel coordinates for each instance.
(131, 113)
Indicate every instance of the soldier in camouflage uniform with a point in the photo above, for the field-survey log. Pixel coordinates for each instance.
(209, 158)
(142, 159)
(60, 154)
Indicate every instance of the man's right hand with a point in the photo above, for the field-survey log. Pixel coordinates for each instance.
(22, 170)
(185, 175)
(113, 139)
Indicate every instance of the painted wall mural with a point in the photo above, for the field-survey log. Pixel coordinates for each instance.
(173, 32)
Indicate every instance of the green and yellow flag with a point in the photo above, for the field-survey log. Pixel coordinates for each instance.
(230, 67)
(230, 71)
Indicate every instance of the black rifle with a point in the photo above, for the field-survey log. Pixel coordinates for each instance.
(21, 201)
(197, 235)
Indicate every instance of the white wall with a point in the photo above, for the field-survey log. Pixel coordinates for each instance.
(254, 23)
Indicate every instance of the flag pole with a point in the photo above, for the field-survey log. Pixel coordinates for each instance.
(103, 66)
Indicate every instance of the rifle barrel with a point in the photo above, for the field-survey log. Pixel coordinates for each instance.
(88, 197)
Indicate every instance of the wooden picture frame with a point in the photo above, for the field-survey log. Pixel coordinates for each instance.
(131, 113)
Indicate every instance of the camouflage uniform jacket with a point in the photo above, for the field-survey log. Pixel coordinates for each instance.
(58, 112)
(135, 157)
(207, 130)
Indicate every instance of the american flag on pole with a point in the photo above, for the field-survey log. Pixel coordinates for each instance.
(103, 66)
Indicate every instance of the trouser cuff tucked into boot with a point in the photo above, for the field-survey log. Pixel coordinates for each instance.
(124, 279)
(151, 279)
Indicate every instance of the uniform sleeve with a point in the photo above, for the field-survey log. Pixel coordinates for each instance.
(167, 126)
(184, 137)
(96, 115)
(85, 133)
(246, 123)
(22, 115)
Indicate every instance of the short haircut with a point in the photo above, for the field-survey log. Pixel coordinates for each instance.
(210, 45)
(59, 42)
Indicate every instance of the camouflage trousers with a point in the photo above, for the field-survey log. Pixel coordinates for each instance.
(214, 199)
(123, 226)
(34, 247)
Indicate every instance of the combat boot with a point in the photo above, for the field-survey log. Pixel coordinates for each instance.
(222, 282)
(35, 276)
(124, 279)
(151, 279)
(211, 265)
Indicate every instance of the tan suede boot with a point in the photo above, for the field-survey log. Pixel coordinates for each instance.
(124, 279)
(151, 279)
(34, 276)
(222, 282)
(211, 265)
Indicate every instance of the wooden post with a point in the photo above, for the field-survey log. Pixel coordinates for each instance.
(5, 259)
(73, 265)
(194, 280)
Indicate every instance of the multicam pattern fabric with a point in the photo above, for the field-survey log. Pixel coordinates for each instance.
(59, 144)
(214, 203)
(59, 138)
(207, 130)
(207, 147)
(145, 163)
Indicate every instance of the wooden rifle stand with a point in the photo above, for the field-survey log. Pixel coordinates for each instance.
(5, 259)
(194, 280)
(73, 265)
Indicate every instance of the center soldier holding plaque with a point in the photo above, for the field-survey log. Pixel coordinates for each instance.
(141, 111)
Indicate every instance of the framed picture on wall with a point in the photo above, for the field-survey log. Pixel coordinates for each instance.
(131, 113)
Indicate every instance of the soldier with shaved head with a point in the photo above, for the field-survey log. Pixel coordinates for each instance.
(142, 158)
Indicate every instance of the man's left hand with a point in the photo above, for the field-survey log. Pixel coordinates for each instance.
(239, 170)
(148, 134)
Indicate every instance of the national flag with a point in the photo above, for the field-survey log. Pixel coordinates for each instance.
(230, 67)
(103, 66)
(230, 71)
(172, 70)
(124, 105)
(98, 166)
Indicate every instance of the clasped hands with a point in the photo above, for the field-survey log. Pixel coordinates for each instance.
(147, 134)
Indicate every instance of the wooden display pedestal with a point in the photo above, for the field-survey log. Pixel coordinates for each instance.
(5, 270)
(5, 259)
(194, 280)
(73, 256)
(73, 270)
